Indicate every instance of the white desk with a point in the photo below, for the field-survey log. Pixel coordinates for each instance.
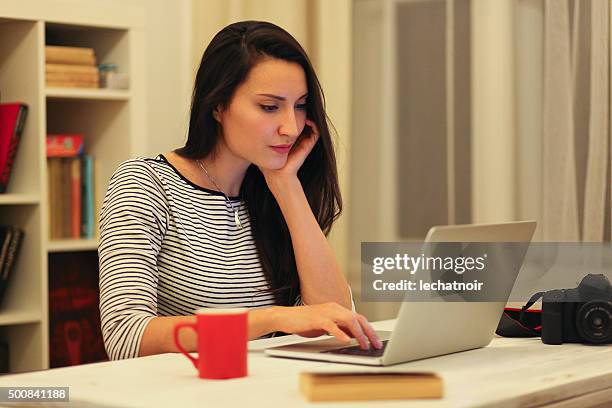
(507, 373)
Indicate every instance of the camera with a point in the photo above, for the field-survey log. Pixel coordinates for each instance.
(579, 315)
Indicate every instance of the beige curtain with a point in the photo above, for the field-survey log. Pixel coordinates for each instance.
(576, 132)
(209, 16)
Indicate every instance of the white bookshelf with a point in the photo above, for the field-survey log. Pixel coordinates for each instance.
(89, 94)
(114, 125)
(24, 199)
(72, 245)
(14, 318)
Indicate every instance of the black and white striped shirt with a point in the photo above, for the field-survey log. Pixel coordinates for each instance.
(167, 248)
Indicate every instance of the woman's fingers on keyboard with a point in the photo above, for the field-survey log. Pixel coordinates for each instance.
(369, 331)
(359, 328)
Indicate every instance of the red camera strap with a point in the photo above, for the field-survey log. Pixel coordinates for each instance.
(521, 322)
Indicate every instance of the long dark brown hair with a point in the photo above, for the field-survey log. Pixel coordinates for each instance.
(227, 61)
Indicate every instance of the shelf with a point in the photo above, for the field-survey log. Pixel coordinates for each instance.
(12, 199)
(72, 245)
(114, 124)
(96, 94)
(12, 318)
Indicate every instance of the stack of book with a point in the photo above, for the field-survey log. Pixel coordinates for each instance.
(10, 243)
(71, 67)
(71, 187)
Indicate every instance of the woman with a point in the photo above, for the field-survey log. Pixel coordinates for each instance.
(238, 216)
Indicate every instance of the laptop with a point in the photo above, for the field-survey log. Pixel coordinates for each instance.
(459, 326)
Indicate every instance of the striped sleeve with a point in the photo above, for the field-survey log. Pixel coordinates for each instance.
(133, 222)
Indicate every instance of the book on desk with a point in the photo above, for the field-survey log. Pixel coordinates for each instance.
(369, 385)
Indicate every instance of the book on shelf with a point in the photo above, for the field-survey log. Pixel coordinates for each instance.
(12, 123)
(75, 335)
(365, 385)
(72, 77)
(75, 197)
(97, 204)
(4, 357)
(11, 238)
(53, 171)
(66, 197)
(87, 215)
(71, 67)
(55, 54)
(65, 145)
(72, 84)
(71, 189)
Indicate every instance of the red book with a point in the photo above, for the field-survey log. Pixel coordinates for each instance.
(68, 145)
(12, 120)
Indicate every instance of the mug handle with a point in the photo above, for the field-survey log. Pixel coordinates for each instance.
(177, 329)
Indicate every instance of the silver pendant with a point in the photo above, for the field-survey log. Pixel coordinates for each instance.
(237, 219)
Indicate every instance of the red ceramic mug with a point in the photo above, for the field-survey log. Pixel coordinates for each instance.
(221, 344)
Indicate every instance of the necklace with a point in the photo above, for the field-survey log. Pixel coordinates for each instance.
(227, 200)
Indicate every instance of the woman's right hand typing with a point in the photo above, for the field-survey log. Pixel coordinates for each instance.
(326, 318)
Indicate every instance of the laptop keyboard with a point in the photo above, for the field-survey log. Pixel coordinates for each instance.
(358, 351)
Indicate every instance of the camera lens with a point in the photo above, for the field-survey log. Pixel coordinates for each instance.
(594, 321)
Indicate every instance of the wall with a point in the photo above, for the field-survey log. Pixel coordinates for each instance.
(168, 52)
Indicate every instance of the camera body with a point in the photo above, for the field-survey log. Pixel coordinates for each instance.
(579, 315)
